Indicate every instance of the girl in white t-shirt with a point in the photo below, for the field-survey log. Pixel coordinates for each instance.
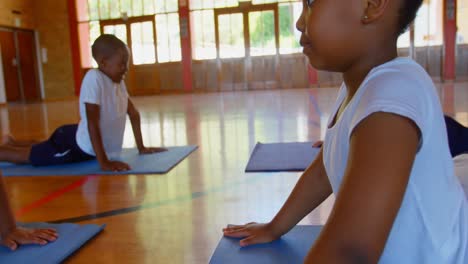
(385, 154)
(457, 136)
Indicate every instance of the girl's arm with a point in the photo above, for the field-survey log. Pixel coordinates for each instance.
(310, 191)
(7, 220)
(381, 155)
(12, 236)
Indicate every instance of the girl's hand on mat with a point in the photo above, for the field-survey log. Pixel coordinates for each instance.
(318, 144)
(253, 233)
(24, 236)
(146, 150)
(115, 166)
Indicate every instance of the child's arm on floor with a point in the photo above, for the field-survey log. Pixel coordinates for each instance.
(310, 191)
(135, 120)
(93, 116)
(381, 155)
(12, 236)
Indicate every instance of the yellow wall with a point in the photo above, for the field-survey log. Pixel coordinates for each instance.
(54, 35)
(50, 19)
(25, 19)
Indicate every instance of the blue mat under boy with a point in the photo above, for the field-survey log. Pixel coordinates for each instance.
(275, 157)
(291, 248)
(71, 238)
(158, 163)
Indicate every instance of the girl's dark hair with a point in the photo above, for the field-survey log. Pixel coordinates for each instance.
(408, 11)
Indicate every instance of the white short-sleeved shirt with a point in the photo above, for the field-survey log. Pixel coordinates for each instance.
(112, 98)
(432, 223)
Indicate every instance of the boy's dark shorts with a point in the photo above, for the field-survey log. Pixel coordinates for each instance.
(60, 148)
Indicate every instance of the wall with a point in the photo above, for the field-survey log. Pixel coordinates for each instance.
(462, 62)
(51, 19)
(430, 58)
(25, 18)
(2, 82)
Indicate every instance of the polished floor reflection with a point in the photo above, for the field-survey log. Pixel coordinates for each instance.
(177, 217)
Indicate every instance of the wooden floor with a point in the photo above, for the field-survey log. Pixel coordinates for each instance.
(177, 217)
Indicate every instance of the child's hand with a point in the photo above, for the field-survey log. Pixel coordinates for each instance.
(115, 166)
(146, 150)
(24, 236)
(252, 233)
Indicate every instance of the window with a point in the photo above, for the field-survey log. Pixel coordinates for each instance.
(231, 31)
(88, 33)
(203, 26)
(119, 31)
(462, 21)
(231, 43)
(262, 33)
(428, 25)
(289, 13)
(168, 31)
(404, 40)
(211, 4)
(203, 34)
(143, 43)
(92, 13)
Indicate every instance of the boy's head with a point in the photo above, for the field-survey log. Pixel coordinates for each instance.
(337, 35)
(112, 56)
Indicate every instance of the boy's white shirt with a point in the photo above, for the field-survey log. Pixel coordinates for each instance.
(432, 223)
(112, 98)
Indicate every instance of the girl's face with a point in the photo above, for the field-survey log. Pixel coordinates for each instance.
(332, 33)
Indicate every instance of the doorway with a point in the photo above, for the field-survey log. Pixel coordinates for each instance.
(247, 44)
(19, 61)
(139, 33)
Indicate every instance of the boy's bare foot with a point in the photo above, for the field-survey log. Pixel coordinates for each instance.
(11, 141)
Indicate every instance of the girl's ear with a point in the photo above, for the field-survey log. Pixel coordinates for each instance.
(373, 10)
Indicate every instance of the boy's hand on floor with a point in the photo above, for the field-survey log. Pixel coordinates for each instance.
(252, 233)
(115, 166)
(24, 236)
(146, 150)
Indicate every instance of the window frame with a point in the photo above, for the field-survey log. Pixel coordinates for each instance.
(84, 18)
(128, 22)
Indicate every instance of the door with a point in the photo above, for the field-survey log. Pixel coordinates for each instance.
(231, 51)
(10, 69)
(247, 41)
(139, 35)
(28, 65)
(263, 49)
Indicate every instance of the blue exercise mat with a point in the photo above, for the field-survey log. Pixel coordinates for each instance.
(157, 163)
(274, 157)
(291, 248)
(71, 238)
